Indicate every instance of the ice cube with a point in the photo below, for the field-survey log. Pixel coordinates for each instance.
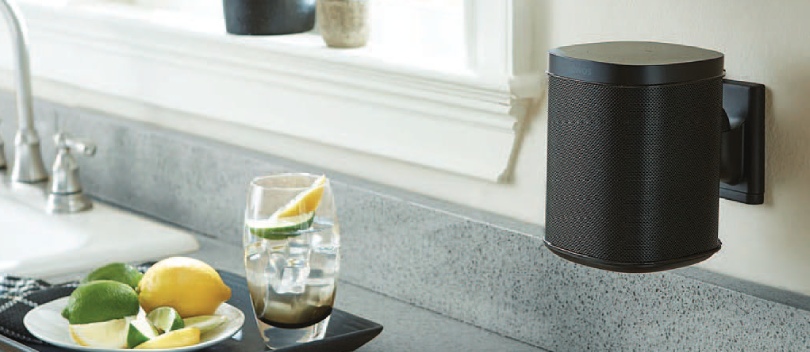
(294, 277)
(275, 270)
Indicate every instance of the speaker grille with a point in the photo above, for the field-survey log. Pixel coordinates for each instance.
(633, 172)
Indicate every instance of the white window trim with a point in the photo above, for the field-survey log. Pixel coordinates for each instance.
(467, 123)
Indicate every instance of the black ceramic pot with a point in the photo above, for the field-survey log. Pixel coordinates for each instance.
(267, 17)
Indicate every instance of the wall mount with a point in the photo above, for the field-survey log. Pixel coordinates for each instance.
(742, 169)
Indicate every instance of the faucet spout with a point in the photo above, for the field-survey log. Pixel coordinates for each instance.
(28, 165)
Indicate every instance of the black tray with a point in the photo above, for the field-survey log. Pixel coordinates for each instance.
(346, 332)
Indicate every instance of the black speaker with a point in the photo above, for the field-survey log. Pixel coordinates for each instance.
(634, 134)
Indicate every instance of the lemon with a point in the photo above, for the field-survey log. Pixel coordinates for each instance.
(120, 272)
(296, 215)
(165, 319)
(140, 331)
(173, 339)
(107, 334)
(188, 285)
(205, 323)
(304, 203)
(99, 301)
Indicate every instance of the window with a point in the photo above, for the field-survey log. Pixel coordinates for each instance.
(429, 34)
(442, 85)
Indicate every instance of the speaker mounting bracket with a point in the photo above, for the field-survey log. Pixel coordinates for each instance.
(743, 146)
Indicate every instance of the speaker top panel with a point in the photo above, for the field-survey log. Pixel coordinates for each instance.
(635, 63)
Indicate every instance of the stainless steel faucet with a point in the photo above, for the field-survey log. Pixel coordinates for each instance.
(28, 166)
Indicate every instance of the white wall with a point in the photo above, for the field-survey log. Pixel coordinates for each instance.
(764, 41)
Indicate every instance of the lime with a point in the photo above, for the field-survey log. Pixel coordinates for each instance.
(280, 228)
(140, 331)
(165, 319)
(102, 300)
(106, 334)
(205, 323)
(120, 272)
(174, 339)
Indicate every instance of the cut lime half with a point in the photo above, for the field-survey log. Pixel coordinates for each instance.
(165, 319)
(280, 228)
(140, 331)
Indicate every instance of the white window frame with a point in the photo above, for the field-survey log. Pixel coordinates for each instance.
(465, 123)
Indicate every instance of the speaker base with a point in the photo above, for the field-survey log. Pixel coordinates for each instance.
(631, 267)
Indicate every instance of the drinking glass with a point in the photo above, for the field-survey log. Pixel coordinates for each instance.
(291, 240)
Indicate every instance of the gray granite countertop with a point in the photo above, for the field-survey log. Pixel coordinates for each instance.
(406, 327)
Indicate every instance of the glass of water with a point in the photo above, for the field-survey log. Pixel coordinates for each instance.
(291, 240)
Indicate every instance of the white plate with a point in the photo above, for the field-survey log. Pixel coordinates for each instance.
(46, 323)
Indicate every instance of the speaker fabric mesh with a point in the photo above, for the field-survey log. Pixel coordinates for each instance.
(633, 172)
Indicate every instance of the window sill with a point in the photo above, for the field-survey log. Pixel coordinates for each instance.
(450, 120)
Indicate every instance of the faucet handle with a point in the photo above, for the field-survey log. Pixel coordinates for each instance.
(65, 194)
(2, 155)
(66, 141)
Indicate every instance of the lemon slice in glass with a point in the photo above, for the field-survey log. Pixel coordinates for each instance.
(305, 202)
(293, 217)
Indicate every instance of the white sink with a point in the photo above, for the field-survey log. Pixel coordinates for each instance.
(25, 237)
(34, 243)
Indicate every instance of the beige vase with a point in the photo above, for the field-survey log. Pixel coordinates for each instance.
(344, 23)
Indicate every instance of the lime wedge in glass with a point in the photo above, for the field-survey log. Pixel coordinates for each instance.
(280, 228)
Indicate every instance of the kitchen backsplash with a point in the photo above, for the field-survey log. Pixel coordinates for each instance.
(478, 268)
